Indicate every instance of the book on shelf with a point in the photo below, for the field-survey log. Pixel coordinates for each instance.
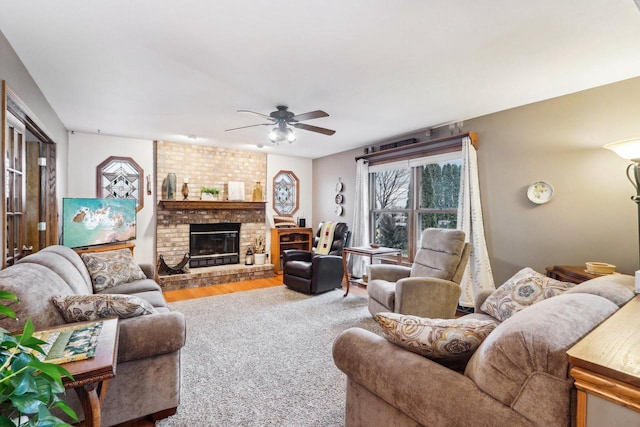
(70, 343)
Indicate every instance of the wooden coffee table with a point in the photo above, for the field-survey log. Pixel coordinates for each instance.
(91, 376)
(369, 252)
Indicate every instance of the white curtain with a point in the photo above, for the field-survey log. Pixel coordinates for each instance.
(360, 232)
(478, 274)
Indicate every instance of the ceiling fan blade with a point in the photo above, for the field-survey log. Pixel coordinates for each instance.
(310, 115)
(313, 128)
(250, 126)
(253, 112)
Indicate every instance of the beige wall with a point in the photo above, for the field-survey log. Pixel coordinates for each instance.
(590, 218)
(13, 71)
(87, 151)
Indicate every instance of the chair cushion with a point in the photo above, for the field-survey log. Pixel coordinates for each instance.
(525, 288)
(299, 268)
(439, 254)
(383, 292)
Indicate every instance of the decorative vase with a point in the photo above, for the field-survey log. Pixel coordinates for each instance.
(260, 259)
(257, 192)
(185, 191)
(171, 186)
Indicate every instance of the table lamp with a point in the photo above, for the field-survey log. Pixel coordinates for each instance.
(630, 149)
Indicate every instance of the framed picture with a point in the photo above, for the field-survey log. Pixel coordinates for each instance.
(286, 188)
(120, 178)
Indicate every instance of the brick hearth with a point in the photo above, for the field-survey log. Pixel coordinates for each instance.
(208, 276)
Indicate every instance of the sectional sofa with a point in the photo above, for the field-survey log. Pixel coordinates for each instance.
(518, 376)
(147, 380)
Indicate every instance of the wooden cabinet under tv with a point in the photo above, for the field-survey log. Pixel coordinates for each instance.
(104, 248)
(288, 238)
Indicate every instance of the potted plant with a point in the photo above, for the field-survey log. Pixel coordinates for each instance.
(29, 388)
(209, 193)
(259, 249)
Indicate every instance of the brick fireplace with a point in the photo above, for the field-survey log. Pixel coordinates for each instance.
(204, 166)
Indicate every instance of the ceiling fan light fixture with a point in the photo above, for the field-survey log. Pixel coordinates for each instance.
(291, 137)
(273, 135)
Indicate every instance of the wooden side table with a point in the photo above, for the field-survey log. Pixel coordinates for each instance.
(606, 371)
(91, 376)
(370, 252)
(570, 273)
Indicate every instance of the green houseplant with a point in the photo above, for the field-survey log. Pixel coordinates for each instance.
(29, 388)
(209, 193)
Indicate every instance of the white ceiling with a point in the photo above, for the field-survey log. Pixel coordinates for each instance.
(166, 69)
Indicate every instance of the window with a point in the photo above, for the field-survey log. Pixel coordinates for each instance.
(409, 196)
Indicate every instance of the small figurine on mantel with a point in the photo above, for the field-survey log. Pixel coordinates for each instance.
(185, 189)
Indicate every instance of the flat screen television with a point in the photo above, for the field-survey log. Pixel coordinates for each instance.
(91, 222)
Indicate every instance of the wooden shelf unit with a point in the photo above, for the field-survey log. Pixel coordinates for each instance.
(288, 238)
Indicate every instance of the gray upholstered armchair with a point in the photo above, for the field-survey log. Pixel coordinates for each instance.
(431, 286)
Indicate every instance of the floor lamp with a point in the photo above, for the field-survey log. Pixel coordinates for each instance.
(630, 149)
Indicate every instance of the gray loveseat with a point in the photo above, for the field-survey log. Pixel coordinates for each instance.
(147, 378)
(519, 376)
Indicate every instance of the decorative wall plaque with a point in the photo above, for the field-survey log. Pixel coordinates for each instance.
(120, 178)
(286, 195)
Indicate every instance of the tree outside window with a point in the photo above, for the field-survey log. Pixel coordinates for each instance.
(399, 214)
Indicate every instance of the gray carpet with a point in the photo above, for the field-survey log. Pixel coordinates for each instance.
(263, 358)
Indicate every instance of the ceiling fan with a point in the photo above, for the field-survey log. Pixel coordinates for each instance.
(282, 118)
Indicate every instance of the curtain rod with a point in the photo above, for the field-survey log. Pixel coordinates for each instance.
(433, 146)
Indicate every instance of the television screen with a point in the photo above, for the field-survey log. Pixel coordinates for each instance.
(89, 222)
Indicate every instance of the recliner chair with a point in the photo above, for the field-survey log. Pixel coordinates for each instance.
(431, 286)
(311, 273)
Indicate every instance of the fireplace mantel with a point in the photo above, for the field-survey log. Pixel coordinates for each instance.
(210, 205)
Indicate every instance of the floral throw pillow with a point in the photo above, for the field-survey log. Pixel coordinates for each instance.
(111, 268)
(525, 288)
(79, 308)
(437, 339)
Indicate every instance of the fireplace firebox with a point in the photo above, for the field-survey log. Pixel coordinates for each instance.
(214, 244)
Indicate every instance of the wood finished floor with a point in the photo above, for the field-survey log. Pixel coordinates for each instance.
(227, 288)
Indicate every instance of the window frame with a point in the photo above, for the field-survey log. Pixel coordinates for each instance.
(413, 164)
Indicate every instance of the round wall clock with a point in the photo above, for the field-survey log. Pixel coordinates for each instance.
(338, 210)
(339, 199)
(339, 185)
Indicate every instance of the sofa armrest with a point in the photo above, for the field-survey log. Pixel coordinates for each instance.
(427, 297)
(424, 390)
(151, 335)
(388, 272)
(148, 270)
